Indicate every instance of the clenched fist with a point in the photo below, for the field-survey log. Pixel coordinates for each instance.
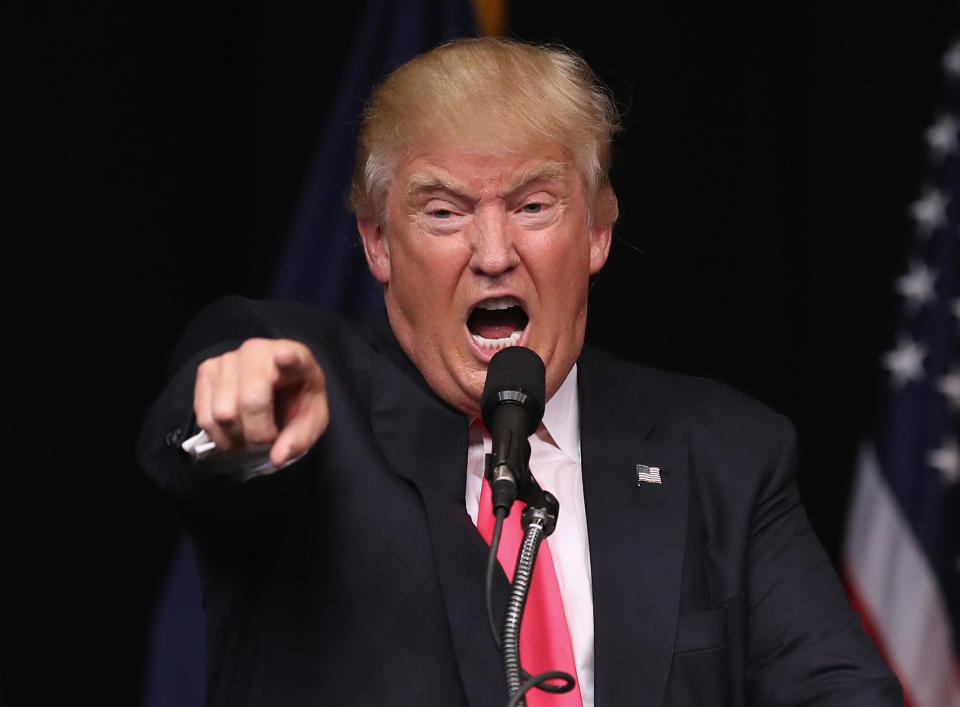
(266, 391)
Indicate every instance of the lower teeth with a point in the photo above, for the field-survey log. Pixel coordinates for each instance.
(511, 340)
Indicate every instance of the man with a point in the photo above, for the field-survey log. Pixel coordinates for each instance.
(347, 569)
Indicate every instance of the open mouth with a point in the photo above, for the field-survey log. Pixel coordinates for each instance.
(498, 322)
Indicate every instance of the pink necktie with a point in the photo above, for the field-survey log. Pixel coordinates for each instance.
(544, 637)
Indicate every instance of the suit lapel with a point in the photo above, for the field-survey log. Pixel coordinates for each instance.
(637, 535)
(426, 442)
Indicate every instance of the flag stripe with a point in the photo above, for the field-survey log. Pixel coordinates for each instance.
(890, 574)
(869, 625)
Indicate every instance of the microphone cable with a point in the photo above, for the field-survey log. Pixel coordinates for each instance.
(538, 681)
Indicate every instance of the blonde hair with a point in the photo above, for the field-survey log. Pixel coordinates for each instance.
(492, 92)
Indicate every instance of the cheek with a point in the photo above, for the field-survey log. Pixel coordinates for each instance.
(437, 256)
(424, 284)
(569, 279)
(568, 262)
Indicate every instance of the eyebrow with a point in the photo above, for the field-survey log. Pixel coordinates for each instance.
(431, 182)
(545, 171)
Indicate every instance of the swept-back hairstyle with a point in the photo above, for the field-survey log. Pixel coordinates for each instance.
(489, 92)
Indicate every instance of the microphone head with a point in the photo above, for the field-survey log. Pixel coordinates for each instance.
(515, 376)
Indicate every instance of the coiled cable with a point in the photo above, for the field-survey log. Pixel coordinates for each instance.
(519, 682)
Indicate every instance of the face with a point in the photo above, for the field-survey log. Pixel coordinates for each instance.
(482, 251)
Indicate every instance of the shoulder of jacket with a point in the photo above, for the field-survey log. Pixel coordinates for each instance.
(680, 403)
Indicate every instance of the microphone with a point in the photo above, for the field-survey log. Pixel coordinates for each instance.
(512, 407)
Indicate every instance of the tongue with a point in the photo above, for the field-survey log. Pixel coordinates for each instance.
(496, 323)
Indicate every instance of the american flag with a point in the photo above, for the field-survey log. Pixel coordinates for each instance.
(902, 547)
(648, 474)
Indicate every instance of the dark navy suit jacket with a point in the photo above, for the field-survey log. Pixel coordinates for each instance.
(355, 576)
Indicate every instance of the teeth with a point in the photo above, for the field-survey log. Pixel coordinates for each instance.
(499, 303)
(511, 340)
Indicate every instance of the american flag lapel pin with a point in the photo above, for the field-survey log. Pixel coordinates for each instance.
(648, 474)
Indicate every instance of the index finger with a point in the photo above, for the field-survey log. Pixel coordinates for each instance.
(294, 361)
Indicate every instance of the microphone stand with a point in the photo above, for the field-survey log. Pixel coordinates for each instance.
(539, 519)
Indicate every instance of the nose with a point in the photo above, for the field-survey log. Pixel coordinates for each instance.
(493, 251)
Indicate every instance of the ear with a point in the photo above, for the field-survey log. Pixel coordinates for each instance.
(600, 239)
(375, 248)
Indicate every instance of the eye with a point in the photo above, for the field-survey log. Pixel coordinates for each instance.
(441, 213)
(532, 208)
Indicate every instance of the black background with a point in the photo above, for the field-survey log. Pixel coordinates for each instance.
(157, 149)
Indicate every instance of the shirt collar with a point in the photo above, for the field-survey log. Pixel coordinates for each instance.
(561, 420)
(561, 417)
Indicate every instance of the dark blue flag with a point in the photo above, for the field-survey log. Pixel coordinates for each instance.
(322, 263)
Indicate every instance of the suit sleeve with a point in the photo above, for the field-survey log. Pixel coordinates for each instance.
(204, 487)
(805, 644)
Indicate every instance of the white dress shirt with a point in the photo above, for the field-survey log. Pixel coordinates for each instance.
(555, 463)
